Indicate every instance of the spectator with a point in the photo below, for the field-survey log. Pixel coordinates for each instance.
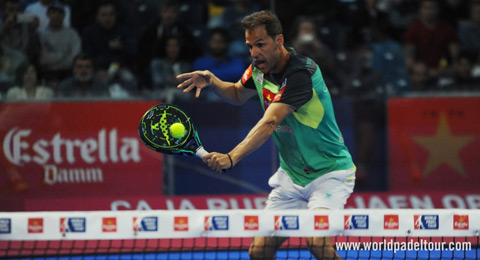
(454, 11)
(39, 9)
(388, 59)
(231, 19)
(104, 40)
(59, 46)
(165, 71)
(364, 22)
(153, 41)
(460, 77)
(420, 80)
(10, 60)
(469, 31)
(307, 43)
(17, 29)
(430, 40)
(136, 16)
(26, 85)
(217, 61)
(83, 13)
(83, 83)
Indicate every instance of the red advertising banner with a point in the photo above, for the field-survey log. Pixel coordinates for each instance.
(434, 144)
(382, 200)
(74, 150)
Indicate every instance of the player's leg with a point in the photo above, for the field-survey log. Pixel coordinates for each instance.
(283, 196)
(321, 247)
(265, 247)
(330, 191)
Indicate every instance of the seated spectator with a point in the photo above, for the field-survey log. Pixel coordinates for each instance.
(59, 46)
(364, 21)
(231, 19)
(39, 9)
(469, 31)
(104, 40)
(136, 16)
(454, 11)
(152, 42)
(460, 78)
(420, 80)
(306, 42)
(165, 70)
(18, 30)
(83, 83)
(217, 61)
(26, 85)
(430, 40)
(388, 59)
(10, 60)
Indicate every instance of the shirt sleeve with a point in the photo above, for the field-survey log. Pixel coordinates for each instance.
(296, 90)
(247, 80)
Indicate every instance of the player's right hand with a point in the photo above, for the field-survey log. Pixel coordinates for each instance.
(219, 162)
(197, 79)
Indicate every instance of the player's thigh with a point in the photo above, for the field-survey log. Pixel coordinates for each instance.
(266, 245)
(319, 241)
(332, 190)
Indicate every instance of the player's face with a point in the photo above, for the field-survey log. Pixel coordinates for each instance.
(264, 50)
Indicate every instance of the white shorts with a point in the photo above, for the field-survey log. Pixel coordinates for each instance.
(329, 191)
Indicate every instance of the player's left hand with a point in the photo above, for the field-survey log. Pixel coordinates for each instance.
(197, 79)
(218, 161)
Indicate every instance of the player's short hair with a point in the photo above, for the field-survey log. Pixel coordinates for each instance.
(266, 18)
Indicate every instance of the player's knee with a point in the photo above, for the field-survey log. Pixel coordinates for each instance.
(321, 248)
(260, 253)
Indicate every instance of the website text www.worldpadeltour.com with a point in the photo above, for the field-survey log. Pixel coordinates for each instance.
(397, 246)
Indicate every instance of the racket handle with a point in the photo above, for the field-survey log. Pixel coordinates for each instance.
(201, 152)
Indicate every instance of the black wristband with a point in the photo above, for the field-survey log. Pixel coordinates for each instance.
(231, 161)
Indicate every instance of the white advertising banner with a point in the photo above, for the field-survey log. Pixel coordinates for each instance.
(98, 225)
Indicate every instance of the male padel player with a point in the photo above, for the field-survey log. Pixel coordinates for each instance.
(316, 170)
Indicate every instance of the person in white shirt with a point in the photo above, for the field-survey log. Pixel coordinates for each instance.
(40, 8)
(26, 87)
(59, 45)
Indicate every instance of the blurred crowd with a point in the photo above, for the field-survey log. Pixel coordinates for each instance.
(368, 49)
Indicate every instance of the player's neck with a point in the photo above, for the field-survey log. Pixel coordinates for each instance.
(284, 57)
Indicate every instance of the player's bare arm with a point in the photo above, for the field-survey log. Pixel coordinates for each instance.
(233, 93)
(257, 136)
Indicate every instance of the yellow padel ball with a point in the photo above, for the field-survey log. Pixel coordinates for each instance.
(177, 130)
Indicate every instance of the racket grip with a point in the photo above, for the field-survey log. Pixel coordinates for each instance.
(201, 152)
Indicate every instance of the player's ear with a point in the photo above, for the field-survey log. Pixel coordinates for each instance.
(279, 39)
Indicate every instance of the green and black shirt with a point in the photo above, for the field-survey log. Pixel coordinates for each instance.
(309, 141)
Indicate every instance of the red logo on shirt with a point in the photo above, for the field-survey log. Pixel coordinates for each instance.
(247, 74)
(268, 97)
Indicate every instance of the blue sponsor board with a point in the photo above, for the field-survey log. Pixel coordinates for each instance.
(356, 222)
(286, 223)
(148, 224)
(5, 226)
(77, 225)
(426, 221)
(216, 223)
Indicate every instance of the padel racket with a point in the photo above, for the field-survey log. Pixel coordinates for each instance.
(156, 132)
